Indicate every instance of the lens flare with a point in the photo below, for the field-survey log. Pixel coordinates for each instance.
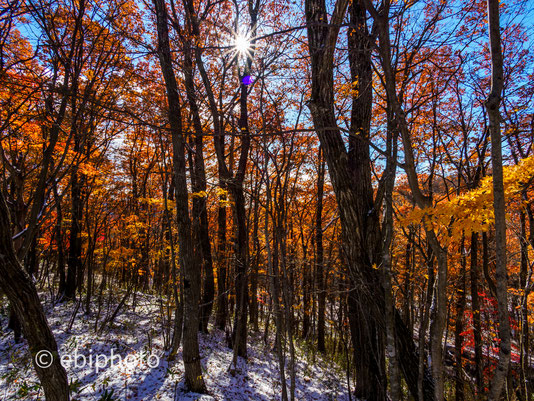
(241, 44)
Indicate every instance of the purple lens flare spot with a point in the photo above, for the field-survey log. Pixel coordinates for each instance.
(246, 80)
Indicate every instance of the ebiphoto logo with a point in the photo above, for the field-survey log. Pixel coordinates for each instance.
(44, 359)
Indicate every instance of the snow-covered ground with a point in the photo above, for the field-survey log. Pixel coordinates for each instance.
(143, 373)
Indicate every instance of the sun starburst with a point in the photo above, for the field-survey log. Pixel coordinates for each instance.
(241, 44)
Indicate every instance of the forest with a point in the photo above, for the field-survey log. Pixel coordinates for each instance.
(266, 200)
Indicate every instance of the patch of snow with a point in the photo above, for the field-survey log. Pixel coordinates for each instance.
(137, 338)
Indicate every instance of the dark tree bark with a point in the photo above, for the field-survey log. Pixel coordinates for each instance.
(274, 286)
(256, 252)
(188, 260)
(177, 277)
(524, 285)
(14, 281)
(59, 241)
(21, 292)
(486, 264)
(239, 335)
(371, 381)
(74, 258)
(14, 324)
(31, 263)
(200, 212)
(381, 19)
(356, 207)
(222, 296)
(492, 106)
(306, 297)
(392, 351)
(74, 262)
(235, 187)
(234, 184)
(319, 256)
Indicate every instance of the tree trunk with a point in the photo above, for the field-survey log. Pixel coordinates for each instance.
(74, 259)
(362, 249)
(274, 284)
(381, 18)
(439, 315)
(256, 251)
(200, 212)
(22, 294)
(75, 247)
(524, 285)
(59, 241)
(371, 381)
(235, 186)
(492, 106)
(188, 260)
(222, 296)
(424, 321)
(306, 298)
(239, 336)
(319, 256)
(387, 277)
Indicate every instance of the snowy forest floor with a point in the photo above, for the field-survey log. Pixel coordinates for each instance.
(137, 335)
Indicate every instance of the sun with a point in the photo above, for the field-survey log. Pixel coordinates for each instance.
(241, 44)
